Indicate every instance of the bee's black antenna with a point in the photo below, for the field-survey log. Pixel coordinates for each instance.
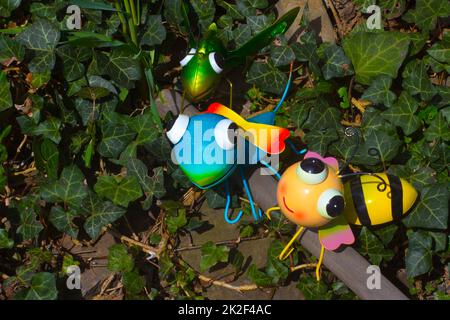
(350, 132)
(381, 186)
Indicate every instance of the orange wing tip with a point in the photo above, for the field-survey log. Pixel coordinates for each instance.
(278, 141)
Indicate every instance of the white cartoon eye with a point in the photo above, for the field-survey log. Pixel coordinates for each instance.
(225, 133)
(188, 57)
(330, 204)
(312, 171)
(177, 128)
(217, 62)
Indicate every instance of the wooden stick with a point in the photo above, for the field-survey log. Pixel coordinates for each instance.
(246, 287)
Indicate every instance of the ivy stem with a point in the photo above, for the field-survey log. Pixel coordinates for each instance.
(123, 22)
(131, 27)
(133, 12)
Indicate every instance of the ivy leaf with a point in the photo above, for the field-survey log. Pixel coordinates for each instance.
(41, 37)
(213, 254)
(386, 234)
(205, 10)
(259, 277)
(403, 114)
(426, 13)
(7, 6)
(336, 62)
(441, 50)
(439, 128)
(69, 189)
(319, 140)
(10, 48)
(416, 81)
(313, 289)
(232, 10)
(432, 210)
(115, 138)
(28, 209)
(281, 55)
(119, 260)
(177, 221)
(322, 117)
(277, 270)
(440, 241)
(300, 112)
(123, 67)
(379, 147)
(379, 92)
(120, 190)
(371, 246)
(154, 33)
(242, 34)
(420, 177)
(73, 57)
(257, 23)
(419, 256)
(43, 287)
(153, 186)
(63, 221)
(133, 282)
(5, 93)
(47, 157)
(5, 241)
(49, 129)
(375, 53)
(145, 127)
(216, 200)
(99, 213)
(267, 77)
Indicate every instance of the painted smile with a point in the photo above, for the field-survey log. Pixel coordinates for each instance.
(284, 202)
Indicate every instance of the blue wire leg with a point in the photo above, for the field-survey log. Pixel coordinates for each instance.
(275, 172)
(249, 196)
(294, 149)
(227, 207)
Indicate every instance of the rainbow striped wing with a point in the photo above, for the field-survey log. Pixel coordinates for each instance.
(270, 139)
(336, 233)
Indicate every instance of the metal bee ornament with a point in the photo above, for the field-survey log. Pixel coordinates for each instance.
(206, 63)
(311, 193)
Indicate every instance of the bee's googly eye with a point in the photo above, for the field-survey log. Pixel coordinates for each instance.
(330, 204)
(225, 134)
(188, 57)
(217, 62)
(177, 128)
(312, 171)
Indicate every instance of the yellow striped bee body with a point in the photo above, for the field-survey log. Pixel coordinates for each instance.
(370, 202)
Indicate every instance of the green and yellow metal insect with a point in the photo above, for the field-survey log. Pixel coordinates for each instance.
(204, 66)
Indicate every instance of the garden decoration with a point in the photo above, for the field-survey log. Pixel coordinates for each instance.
(205, 63)
(237, 143)
(311, 194)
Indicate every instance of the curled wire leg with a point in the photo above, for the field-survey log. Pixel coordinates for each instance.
(288, 248)
(294, 149)
(269, 211)
(319, 264)
(258, 215)
(275, 172)
(227, 207)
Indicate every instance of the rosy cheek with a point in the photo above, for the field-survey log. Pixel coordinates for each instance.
(282, 188)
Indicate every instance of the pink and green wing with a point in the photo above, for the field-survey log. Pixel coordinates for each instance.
(336, 233)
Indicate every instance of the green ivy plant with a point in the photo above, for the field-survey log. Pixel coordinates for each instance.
(82, 146)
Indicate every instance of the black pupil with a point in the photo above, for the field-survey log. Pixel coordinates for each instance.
(232, 132)
(335, 206)
(170, 123)
(312, 165)
(219, 60)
